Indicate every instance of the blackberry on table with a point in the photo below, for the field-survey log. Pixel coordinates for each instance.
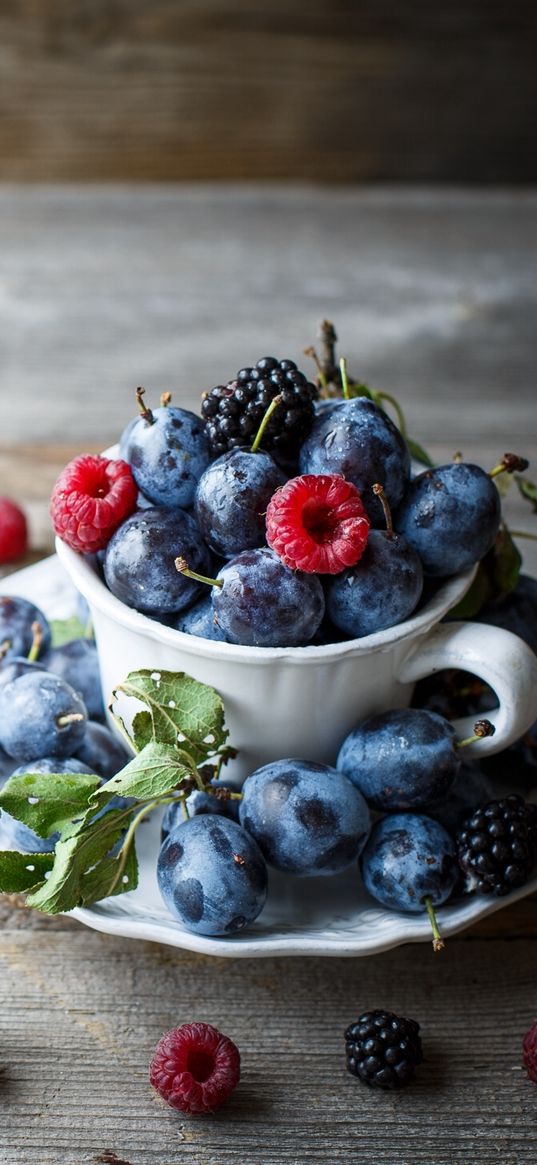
(497, 845)
(233, 412)
(383, 1049)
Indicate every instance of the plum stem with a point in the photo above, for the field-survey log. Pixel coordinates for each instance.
(510, 463)
(378, 490)
(312, 352)
(271, 409)
(438, 942)
(37, 632)
(69, 718)
(344, 378)
(145, 412)
(165, 399)
(482, 728)
(182, 566)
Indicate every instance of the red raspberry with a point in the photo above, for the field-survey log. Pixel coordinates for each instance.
(91, 498)
(13, 531)
(529, 1050)
(195, 1068)
(317, 523)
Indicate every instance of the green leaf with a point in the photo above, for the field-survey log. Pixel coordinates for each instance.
(75, 857)
(47, 802)
(507, 564)
(156, 770)
(527, 489)
(64, 630)
(418, 453)
(183, 712)
(111, 876)
(20, 872)
(475, 598)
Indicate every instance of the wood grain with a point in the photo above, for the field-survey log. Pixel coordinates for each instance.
(434, 296)
(313, 89)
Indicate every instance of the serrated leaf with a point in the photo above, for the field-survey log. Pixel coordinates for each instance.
(183, 712)
(64, 630)
(418, 453)
(21, 872)
(47, 802)
(360, 390)
(528, 490)
(75, 857)
(156, 770)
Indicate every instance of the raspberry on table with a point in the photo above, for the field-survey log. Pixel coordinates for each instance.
(13, 531)
(195, 1068)
(91, 498)
(383, 1049)
(233, 412)
(497, 845)
(529, 1053)
(317, 523)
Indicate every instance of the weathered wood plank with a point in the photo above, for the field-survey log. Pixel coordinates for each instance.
(333, 92)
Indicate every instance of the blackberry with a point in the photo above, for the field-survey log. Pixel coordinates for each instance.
(233, 412)
(383, 1049)
(497, 845)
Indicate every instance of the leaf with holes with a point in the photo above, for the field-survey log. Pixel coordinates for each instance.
(77, 856)
(156, 770)
(47, 802)
(21, 872)
(183, 711)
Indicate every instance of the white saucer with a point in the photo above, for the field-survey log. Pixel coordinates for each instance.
(302, 916)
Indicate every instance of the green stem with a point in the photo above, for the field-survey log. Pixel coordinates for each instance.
(482, 728)
(344, 378)
(37, 632)
(438, 942)
(271, 409)
(127, 840)
(401, 422)
(523, 534)
(182, 566)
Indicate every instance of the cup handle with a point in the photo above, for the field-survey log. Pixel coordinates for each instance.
(499, 658)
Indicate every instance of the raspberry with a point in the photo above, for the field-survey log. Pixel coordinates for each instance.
(497, 845)
(529, 1053)
(233, 412)
(383, 1049)
(195, 1068)
(91, 498)
(317, 523)
(13, 531)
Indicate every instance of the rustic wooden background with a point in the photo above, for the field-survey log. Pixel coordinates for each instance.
(331, 90)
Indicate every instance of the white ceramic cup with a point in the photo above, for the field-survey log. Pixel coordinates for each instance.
(302, 701)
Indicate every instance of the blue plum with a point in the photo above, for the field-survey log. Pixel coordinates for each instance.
(450, 515)
(77, 663)
(359, 440)
(232, 498)
(471, 788)
(200, 620)
(382, 589)
(103, 752)
(307, 818)
(139, 561)
(198, 803)
(401, 759)
(212, 876)
(408, 858)
(16, 618)
(16, 665)
(15, 835)
(167, 450)
(40, 715)
(263, 603)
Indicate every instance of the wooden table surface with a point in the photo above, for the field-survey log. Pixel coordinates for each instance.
(434, 296)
